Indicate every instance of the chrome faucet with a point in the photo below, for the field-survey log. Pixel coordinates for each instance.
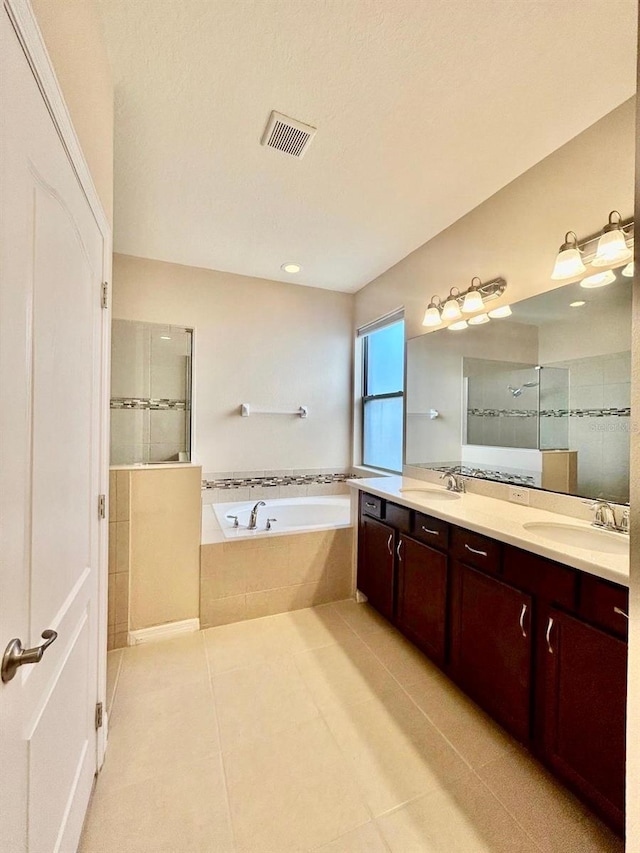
(604, 516)
(253, 518)
(453, 483)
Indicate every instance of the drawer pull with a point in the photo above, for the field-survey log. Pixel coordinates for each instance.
(474, 551)
(398, 550)
(620, 612)
(369, 505)
(389, 540)
(523, 613)
(548, 635)
(428, 530)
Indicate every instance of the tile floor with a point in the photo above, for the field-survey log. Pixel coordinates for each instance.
(321, 730)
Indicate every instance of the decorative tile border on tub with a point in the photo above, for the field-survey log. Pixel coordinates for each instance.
(154, 403)
(272, 481)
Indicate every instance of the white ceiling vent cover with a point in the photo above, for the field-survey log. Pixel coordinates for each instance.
(287, 135)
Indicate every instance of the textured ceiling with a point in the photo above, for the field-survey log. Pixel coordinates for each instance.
(424, 109)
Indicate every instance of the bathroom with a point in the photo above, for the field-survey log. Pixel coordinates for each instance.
(260, 448)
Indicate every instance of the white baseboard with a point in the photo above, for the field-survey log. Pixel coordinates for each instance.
(163, 632)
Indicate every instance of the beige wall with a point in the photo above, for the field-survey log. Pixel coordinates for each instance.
(273, 345)
(516, 233)
(73, 37)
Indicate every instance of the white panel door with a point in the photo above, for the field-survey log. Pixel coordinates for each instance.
(51, 254)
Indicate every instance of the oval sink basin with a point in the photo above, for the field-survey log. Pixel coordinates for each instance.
(577, 536)
(438, 494)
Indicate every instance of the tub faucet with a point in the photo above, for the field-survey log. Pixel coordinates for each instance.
(253, 518)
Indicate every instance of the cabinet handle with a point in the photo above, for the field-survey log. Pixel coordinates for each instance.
(428, 530)
(620, 612)
(548, 635)
(473, 551)
(523, 613)
(389, 540)
(370, 505)
(398, 550)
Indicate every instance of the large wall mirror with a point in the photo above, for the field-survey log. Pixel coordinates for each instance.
(540, 398)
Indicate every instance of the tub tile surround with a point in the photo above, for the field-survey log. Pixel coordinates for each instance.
(320, 736)
(119, 559)
(232, 486)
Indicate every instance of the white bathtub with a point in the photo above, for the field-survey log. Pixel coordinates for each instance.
(293, 515)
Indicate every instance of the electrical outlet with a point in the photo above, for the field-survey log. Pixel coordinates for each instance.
(518, 496)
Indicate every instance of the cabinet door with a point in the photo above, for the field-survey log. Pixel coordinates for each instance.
(422, 596)
(585, 704)
(376, 554)
(491, 647)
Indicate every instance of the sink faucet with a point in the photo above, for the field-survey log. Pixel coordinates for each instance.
(253, 518)
(453, 483)
(603, 515)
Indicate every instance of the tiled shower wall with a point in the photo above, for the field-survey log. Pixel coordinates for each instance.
(495, 417)
(119, 560)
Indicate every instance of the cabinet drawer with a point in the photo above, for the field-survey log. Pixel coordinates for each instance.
(476, 550)
(372, 505)
(398, 517)
(431, 531)
(601, 603)
(555, 583)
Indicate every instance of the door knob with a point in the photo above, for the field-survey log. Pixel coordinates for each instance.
(15, 655)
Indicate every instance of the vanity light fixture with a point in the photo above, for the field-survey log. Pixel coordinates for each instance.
(451, 310)
(291, 268)
(569, 261)
(457, 327)
(479, 319)
(599, 279)
(473, 298)
(628, 271)
(499, 313)
(612, 246)
(432, 314)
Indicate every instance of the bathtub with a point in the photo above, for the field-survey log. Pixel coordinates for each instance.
(293, 515)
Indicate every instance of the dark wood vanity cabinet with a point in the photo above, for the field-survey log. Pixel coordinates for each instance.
(539, 645)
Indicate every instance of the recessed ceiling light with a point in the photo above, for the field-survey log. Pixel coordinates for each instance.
(165, 338)
(291, 268)
(577, 304)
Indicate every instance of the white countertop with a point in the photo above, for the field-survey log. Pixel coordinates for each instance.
(501, 520)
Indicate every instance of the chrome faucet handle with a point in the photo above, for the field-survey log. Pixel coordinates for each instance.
(233, 518)
(624, 526)
(269, 520)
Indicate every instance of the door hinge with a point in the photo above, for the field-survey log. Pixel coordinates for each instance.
(102, 506)
(99, 715)
(105, 294)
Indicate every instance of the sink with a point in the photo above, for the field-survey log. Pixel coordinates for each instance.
(588, 538)
(438, 494)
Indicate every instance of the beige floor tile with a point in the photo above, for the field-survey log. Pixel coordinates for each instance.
(342, 675)
(393, 750)
(259, 702)
(243, 644)
(472, 732)
(362, 618)
(461, 817)
(291, 792)
(314, 627)
(149, 734)
(547, 811)
(403, 660)
(114, 659)
(170, 813)
(154, 666)
(364, 839)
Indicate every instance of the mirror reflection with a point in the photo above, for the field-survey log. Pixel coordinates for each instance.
(540, 398)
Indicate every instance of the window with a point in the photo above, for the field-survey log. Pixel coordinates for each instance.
(382, 400)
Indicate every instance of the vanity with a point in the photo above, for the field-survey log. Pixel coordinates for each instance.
(534, 631)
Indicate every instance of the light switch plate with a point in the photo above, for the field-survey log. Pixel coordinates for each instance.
(518, 496)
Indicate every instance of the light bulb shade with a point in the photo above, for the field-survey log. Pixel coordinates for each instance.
(599, 279)
(451, 310)
(498, 313)
(457, 327)
(628, 271)
(479, 320)
(472, 302)
(432, 316)
(568, 263)
(612, 249)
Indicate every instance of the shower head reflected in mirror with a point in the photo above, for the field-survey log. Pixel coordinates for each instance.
(516, 392)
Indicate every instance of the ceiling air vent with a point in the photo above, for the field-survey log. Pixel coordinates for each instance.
(287, 135)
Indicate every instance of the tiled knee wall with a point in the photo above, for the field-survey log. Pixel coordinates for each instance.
(119, 548)
(259, 577)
